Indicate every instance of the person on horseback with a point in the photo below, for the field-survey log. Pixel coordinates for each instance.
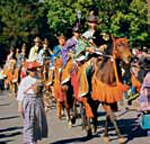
(44, 53)
(33, 54)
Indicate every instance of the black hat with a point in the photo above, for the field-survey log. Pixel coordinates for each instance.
(92, 19)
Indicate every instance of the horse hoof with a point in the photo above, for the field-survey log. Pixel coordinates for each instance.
(70, 124)
(106, 139)
(121, 140)
(89, 133)
(73, 120)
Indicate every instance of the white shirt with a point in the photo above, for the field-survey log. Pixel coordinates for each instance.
(88, 34)
(25, 84)
(40, 57)
(33, 54)
(1, 75)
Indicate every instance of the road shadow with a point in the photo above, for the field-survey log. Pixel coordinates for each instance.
(10, 129)
(10, 117)
(10, 134)
(74, 140)
(129, 128)
(7, 104)
(5, 141)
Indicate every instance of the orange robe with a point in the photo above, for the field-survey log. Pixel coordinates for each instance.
(81, 88)
(107, 93)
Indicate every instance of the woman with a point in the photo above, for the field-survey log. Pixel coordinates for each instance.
(30, 104)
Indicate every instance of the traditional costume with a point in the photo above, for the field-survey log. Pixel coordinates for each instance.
(34, 51)
(34, 118)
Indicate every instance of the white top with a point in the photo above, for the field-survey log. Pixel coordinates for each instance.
(25, 84)
(33, 54)
(1, 75)
(88, 34)
(40, 57)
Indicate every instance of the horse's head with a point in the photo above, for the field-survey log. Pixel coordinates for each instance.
(121, 50)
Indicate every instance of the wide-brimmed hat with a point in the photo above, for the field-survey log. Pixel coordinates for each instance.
(37, 39)
(46, 41)
(32, 65)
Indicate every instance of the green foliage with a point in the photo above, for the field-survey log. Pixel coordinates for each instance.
(22, 20)
(118, 17)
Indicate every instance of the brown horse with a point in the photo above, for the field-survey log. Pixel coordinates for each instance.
(63, 90)
(106, 83)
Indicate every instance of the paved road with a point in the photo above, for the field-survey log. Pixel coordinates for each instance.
(59, 133)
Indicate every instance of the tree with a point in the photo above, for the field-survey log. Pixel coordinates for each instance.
(118, 17)
(22, 20)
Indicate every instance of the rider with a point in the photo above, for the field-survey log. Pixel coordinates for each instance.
(34, 50)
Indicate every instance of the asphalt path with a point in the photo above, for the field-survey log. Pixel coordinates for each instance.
(60, 133)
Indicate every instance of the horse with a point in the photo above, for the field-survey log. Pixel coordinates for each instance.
(63, 90)
(107, 87)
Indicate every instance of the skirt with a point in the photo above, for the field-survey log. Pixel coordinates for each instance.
(34, 119)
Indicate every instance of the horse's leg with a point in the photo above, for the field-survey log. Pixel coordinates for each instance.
(95, 112)
(114, 122)
(94, 106)
(106, 137)
(89, 129)
(83, 117)
(88, 114)
(74, 114)
(66, 103)
(58, 107)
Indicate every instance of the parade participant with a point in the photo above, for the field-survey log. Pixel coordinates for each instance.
(94, 35)
(12, 76)
(58, 48)
(44, 53)
(9, 57)
(82, 89)
(21, 56)
(70, 45)
(92, 23)
(23, 71)
(2, 77)
(145, 93)
(17, 53)
(30, 105)
(34, 50)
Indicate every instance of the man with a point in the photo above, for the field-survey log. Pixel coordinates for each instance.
(92, 23)
(94, 36)
(44, 53)
(71, 44)
(30, 105)
(58, 48)
(21, 56)
(34, 50)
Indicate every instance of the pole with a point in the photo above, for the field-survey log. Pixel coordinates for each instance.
(148, 16)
